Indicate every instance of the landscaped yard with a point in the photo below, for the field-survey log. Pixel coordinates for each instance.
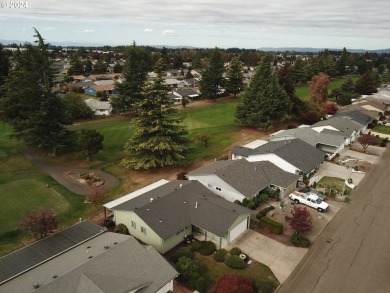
(382, 129)
(333, 183)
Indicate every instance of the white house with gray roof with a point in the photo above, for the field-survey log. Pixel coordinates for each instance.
(163, 214)
(240, 179)
(94, 262)
(294, 155)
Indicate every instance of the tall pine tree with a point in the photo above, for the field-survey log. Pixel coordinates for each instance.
(235, 76)
(29, 106)
(212, 76)
(158, 140)
(134, 73)
(265, 102)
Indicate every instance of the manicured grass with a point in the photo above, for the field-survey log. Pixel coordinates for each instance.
(382, 129)
(214, 270)
(333, 183)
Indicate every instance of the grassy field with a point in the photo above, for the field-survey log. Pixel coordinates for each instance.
(304, 94)
(382, 129)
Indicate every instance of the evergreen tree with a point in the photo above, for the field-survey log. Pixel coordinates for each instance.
(100, 67)
(264, 101)
(90, 142)
(135, 72)
(35, 113)
(117, 68)
(234, 83)
(212, 76)
(299, 72)
(342, 63)
(345, 93)
(76, 66)
(4, 67)
(366, 85)
(88, 67)
(158, 140)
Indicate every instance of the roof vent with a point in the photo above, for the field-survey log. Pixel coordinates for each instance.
(185, 202)
(55, 276)
(181, 185)
(196, 204)
(147, 209)
(151, 199)
(106, 246)
(36, 285)
(160, 221)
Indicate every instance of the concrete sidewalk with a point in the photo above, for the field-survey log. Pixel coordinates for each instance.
(281, 259)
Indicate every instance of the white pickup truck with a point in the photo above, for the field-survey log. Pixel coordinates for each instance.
(309, 199)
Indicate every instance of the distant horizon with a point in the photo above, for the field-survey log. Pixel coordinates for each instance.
(353, 24)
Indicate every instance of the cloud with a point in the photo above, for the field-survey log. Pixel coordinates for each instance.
(87, 31)
(148, 30)
(168, 33)
(49, 28)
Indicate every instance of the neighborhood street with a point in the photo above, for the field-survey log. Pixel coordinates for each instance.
(352, 253)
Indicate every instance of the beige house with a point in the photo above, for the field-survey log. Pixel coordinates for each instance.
(164, 213)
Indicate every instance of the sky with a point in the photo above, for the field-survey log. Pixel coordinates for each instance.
(354, 24)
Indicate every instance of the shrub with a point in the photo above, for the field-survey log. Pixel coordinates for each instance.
(299, 240)
(220, 255)
(181, 175)
(201, 285)
(237, 202)
(264, 212)
(207, 248)
(235, 262)
(184, 251)
(121, 229)
(265, 286)
(262, 197)
(251, 204)
(188, 270)
(276, 227)
(235, 251)
(245, 202)
(196, 245)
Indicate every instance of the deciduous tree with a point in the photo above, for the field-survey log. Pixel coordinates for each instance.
(158, 140)
(366, 140)
(75, 107)
(40, 222)
(90, 142)
(300, 220)
(234, 284)
(319, 85)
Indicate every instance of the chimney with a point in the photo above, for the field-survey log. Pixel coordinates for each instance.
(151, 199)
(196, 204)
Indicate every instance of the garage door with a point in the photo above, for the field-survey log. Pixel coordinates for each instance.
(236, 231)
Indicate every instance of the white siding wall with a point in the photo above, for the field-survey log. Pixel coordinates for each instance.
(212, 181)
(168, 287)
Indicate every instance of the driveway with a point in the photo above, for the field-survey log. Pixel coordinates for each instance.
(281, 259)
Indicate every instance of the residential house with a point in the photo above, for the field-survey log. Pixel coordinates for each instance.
(164, 213)
(176, 99)
(357, 116)
(192, 82)
(174, 83)
(188, 93)
(328, 141)
(99, 108)
(109, 89)
(294, 155)
(240, 179)
(84, 258)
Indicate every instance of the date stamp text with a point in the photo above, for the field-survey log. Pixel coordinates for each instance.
(13, 5)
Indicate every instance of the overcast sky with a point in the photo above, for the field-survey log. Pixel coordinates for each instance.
(354, 24)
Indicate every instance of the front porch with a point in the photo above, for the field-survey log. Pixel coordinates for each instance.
(203, 235)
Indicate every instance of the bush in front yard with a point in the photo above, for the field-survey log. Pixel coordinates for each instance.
(207, 248)
(121, 229)
(276, 227)
(264, 212)
(235, 251)
(235, 262)
(184, 251)
(300, 240)
(201, 285)
(220, 255)
(196, 245)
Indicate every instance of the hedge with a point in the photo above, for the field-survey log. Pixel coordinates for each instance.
(276, 227)
(235, 262)
(264, 212)
(220, 255)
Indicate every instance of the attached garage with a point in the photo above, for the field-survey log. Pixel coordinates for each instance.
(236, 231)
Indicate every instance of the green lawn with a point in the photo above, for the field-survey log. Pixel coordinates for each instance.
(333, 183)
(214, 270)
(382, 129)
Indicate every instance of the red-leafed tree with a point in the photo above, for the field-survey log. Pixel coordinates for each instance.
(366, 140)
(310, 117)
(40, 222)
(330, 109)
(300, 220)
(234, 284)
(319, 85)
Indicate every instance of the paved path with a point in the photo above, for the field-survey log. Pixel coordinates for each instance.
(281, 259)
(58, 173)
(352, 253)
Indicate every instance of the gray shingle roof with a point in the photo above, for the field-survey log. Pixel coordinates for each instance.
(30, 256)
(343, 124)
(239, 174)
(295, 151)
(174, 208)
(357, 116)
(124, 267)
(275, 175)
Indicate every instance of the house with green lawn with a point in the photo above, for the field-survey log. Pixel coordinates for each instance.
(164, 213)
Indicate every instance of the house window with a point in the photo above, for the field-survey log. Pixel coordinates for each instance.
(143, 230)
(133, 225)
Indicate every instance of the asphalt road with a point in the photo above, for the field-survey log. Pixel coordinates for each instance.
(353, 252)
